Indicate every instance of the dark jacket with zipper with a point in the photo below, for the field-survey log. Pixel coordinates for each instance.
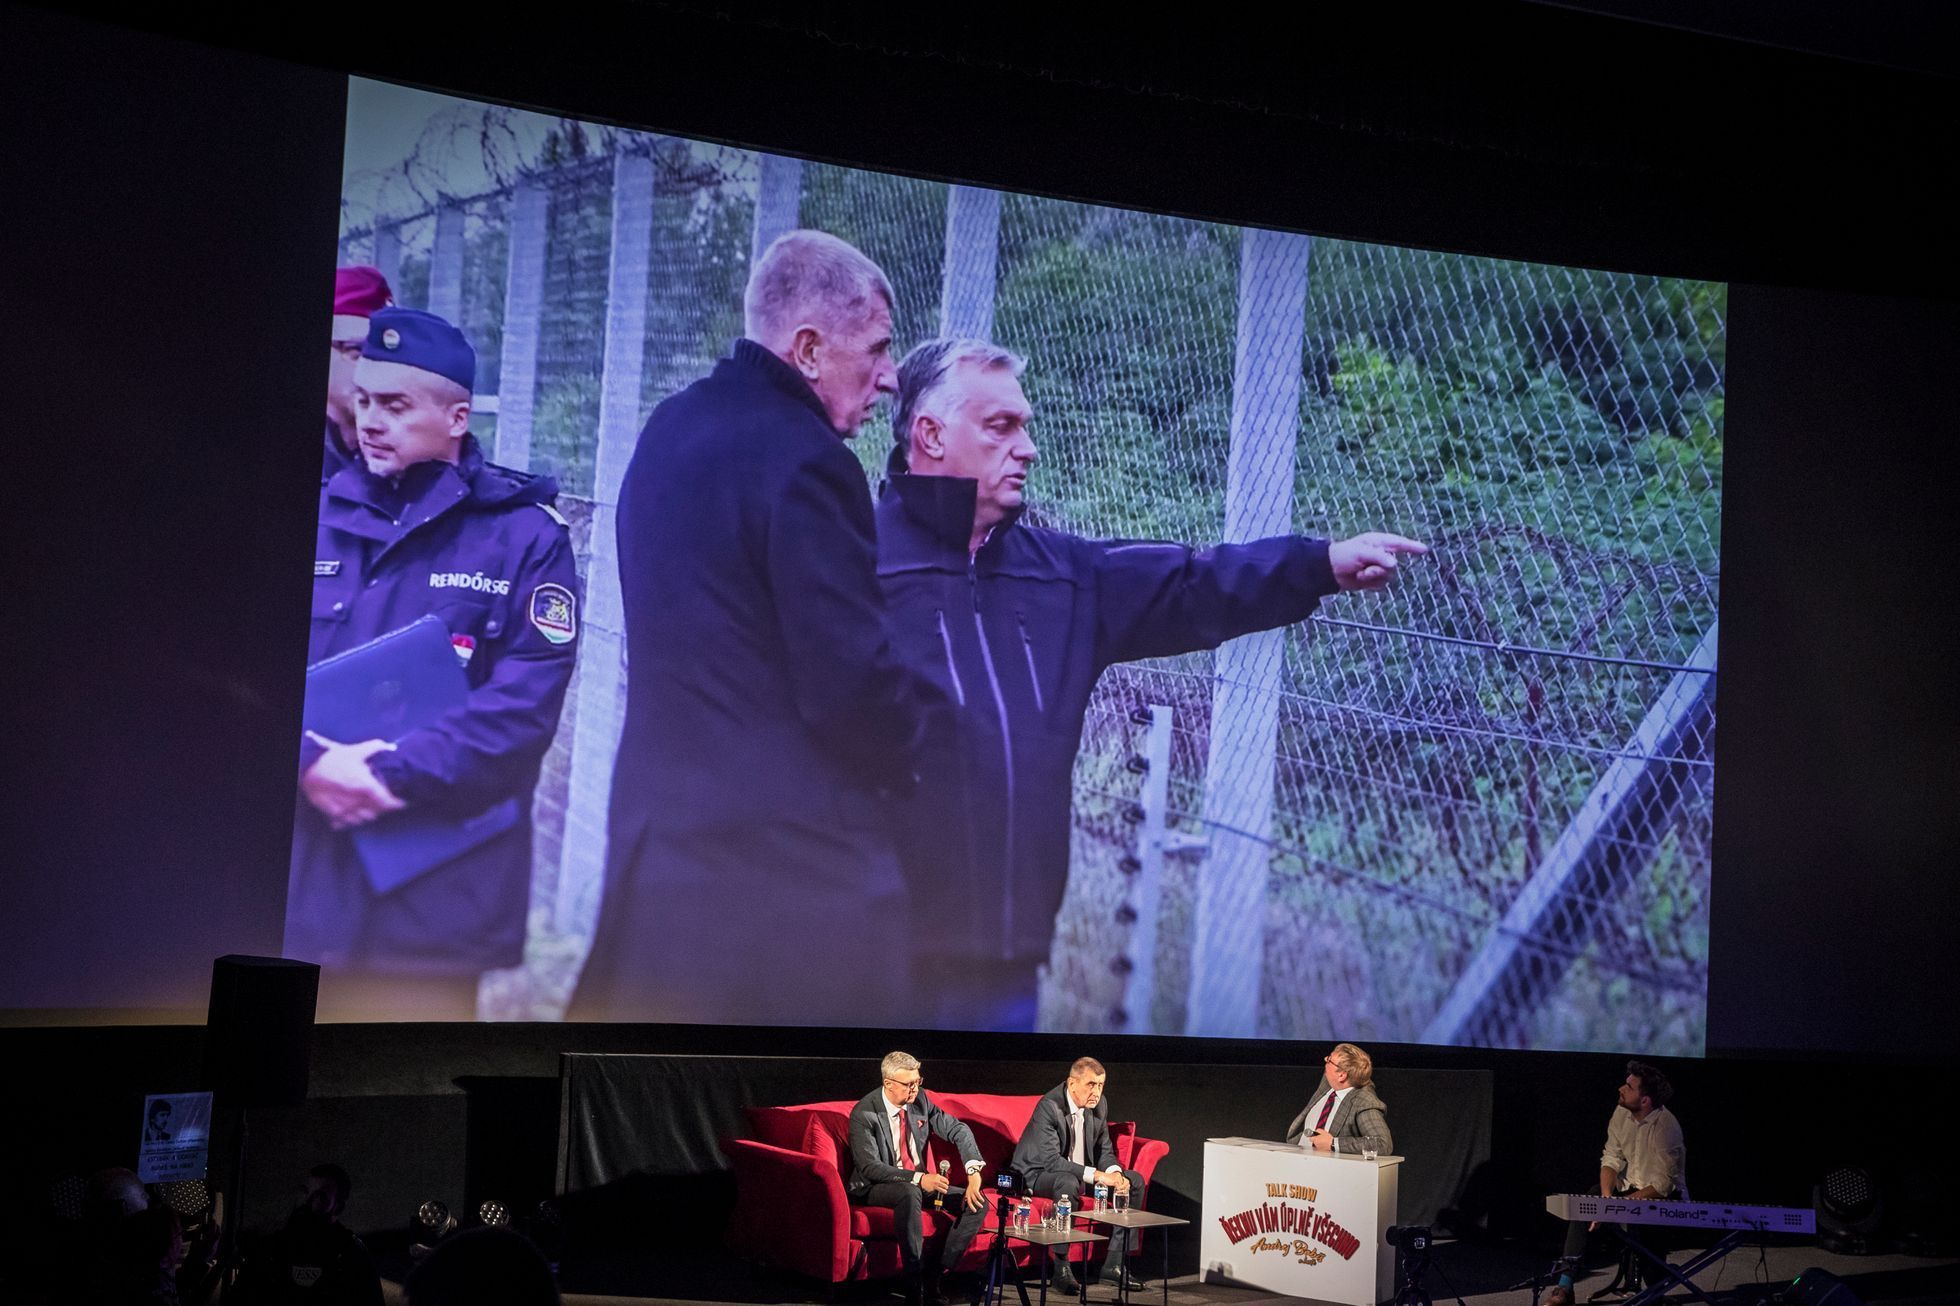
(481, 547)
(1017, 635)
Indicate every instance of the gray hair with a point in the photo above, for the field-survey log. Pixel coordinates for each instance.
(810, 274)
(926, 371)
(897, 1063)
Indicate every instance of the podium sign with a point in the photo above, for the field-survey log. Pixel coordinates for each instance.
(1299, 1222)
(176, 1137)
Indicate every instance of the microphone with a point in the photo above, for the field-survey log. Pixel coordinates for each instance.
(939, 1198)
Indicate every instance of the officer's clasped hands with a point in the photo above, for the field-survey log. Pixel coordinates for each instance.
(342, 788)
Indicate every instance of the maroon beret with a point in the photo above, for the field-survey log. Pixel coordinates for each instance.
(360, 291)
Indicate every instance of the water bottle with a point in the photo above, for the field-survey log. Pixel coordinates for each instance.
(1064, 1213)
(1102, 1196)
(1024, 1214)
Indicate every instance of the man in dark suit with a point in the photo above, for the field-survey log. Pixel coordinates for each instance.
(1065, 1150)
(767, 722)
(1344, 1115)
(888, 1152)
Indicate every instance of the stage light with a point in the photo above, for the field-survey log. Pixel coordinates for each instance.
(1849, 1211)
(189, 1198)
(432, 1222)
(69, 1197)
(1817, 1287)
(547, 1229)
(493, 1213)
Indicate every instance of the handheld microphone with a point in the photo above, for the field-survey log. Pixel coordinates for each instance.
(939, 1198)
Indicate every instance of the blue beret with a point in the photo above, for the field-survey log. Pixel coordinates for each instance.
(408, 335)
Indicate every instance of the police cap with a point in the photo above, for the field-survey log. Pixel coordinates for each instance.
(408, 335)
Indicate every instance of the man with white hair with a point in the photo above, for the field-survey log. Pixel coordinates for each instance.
(891, 1128)
(767, 723)
(1015, 623)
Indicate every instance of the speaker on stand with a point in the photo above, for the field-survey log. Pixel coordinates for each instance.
(258, 1051)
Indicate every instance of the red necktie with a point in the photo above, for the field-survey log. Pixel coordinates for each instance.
(904, 1143)
(1325, 1112)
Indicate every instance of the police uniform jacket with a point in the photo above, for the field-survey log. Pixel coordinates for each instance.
(481, 547)
(1017, 635)
(334, 456)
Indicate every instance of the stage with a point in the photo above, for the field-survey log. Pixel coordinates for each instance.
(1482, 1272)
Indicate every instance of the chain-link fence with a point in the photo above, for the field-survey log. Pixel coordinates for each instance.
(1474, 807)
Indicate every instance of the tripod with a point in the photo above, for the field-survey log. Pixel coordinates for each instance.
(999, 1263)
(1415, 1267)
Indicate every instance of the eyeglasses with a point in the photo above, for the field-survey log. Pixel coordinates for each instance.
(907, 1084)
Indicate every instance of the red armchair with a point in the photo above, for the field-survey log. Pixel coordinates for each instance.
(790, 1206)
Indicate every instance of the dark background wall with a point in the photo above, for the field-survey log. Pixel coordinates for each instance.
(469, 1112)
(168, 228)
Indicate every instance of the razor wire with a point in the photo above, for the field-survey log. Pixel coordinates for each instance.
(1554, 434)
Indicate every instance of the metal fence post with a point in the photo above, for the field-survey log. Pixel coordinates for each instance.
(523, 321)
(446, 264)
(388, 251)
(778, 201)
(1609, 840)
(1145, 887)
(602, 659)
(1228, 948)
(966, 296)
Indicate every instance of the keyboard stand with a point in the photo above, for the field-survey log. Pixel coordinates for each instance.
(1681, 1276)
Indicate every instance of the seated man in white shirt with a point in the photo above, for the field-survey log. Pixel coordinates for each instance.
(1065, 1150)
(1644, 1158)
(1344, 1115)
(889, 1128)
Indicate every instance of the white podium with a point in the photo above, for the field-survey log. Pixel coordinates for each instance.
(1303, 1223)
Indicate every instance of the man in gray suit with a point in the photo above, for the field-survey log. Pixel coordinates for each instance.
(1344, 1115)
(1066, 1149)
(889, 1128)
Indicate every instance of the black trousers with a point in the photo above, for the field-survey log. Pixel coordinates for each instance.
(907, 1201)
(1066, 1178)
(1578, 1238)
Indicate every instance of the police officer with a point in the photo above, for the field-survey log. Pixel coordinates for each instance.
(423, 524)
(357, 292)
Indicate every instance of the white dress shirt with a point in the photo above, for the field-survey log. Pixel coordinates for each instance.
(895, 1119)
(1648, 1153)
(1077, 1127)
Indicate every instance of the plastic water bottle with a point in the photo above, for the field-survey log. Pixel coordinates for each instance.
(1102, 1196)
(1064, 1213)
(1024, 1214)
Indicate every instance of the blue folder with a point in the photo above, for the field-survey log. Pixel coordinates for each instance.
(393, 684)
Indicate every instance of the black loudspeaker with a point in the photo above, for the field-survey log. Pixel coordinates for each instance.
(258, 1038)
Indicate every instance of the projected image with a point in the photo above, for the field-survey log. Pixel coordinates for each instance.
(753, 590)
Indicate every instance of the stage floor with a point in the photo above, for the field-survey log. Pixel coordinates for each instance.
(1481, 1272)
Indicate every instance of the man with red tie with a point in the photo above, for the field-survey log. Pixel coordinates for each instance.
(1344, 1115)
(889, 1128)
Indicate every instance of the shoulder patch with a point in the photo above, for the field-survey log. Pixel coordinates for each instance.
(554, 612)
(555, 515)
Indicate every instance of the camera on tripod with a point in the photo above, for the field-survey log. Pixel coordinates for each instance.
(1409, 1239)
(1411, 1243)
(1006, 1181)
